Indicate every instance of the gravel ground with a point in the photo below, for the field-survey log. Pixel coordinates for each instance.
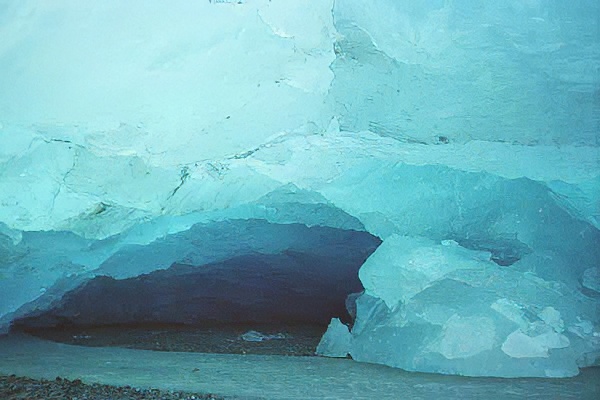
(292, 340)
(19, 388)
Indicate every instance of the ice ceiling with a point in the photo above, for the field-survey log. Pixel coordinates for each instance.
(136, 136)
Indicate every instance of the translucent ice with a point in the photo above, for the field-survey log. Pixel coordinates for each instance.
(336, 341)
(463, 134)
(467, 315)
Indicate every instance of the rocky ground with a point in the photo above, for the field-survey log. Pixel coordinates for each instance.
(20, 388)
(289, 340)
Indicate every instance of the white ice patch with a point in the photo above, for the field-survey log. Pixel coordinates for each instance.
(255, 336)
(552, 318)
(520, 345)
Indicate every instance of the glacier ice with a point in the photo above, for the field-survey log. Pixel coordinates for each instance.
(137, 138)
(467, 314)
(336, 340)
(591, 279)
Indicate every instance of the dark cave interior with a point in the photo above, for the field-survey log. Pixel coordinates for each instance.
(304, 284)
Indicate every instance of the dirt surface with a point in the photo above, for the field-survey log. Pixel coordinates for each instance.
(288, 340)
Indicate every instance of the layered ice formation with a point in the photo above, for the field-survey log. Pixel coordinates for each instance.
(147, 140)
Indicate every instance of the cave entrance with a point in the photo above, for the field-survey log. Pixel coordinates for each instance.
(289, 290)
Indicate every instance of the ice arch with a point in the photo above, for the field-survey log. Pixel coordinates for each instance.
(465, 136)
(234, 271)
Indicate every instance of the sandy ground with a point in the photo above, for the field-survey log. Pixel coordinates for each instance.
(267, 376)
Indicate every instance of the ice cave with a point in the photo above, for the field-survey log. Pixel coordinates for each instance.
(420, 179)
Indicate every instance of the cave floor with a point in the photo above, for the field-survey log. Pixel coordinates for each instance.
(267, 376)
(279, 339)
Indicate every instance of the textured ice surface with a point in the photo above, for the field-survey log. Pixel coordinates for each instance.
(449, 309)
(591, 279)
(464, 135)
(466, 70)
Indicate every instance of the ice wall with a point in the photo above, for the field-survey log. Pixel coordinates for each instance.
(513, 71)
(464, 135)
